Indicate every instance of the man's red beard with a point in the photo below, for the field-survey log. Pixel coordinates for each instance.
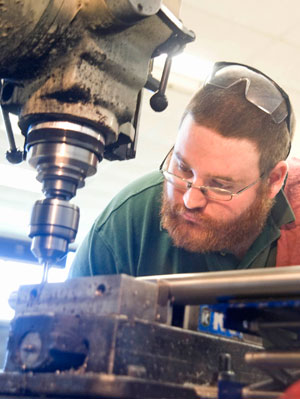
(212, 235)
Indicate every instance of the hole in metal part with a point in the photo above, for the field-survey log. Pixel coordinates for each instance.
(100, 290)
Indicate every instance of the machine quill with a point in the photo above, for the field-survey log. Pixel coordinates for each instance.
(74, 73)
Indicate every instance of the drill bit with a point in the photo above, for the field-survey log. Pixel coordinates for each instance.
(46, 267)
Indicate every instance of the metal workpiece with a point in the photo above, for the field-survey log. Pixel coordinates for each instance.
(214, 287)
(93, 296)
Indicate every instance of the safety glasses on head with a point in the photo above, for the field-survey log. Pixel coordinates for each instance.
(260, 90)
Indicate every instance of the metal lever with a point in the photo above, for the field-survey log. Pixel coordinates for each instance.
(13, 155)
(159, 101)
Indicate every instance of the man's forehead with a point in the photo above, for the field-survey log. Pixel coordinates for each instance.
(200, 146)
(191, 131)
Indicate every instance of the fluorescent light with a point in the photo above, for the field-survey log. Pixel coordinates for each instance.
(187, 65)
(190, 66)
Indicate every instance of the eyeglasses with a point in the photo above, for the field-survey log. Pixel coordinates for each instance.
(214, 193)
(260, 90)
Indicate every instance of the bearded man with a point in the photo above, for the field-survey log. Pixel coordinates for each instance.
(217, 202)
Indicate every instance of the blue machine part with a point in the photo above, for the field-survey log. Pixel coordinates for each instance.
(238, 316)
(230, 390)
(212, 322)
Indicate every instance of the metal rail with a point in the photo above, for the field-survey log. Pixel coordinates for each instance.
(213, 287)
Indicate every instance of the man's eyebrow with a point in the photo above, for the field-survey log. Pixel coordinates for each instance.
(220, 177)
(225, 178)
(180, 158)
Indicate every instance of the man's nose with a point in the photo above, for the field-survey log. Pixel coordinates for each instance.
(194, 198)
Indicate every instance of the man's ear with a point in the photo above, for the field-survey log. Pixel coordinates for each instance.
(276, 178)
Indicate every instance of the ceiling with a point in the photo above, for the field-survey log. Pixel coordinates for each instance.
(261, 33)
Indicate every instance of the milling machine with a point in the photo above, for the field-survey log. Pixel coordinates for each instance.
(73, 71)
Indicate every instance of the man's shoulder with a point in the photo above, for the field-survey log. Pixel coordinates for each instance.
(147, 182)
(292, 186)
(145, 186)
(293, 174)
(288, 253)
(134, 197)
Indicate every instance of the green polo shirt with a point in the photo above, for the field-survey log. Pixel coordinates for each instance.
(128, 238)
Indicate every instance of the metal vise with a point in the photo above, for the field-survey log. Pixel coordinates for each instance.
(112, 336)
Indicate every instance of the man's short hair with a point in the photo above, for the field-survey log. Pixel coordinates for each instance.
(230, 114)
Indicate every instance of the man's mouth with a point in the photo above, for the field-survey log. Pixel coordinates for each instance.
(190, 217)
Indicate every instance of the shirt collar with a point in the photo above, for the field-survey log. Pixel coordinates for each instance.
(282, 212)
